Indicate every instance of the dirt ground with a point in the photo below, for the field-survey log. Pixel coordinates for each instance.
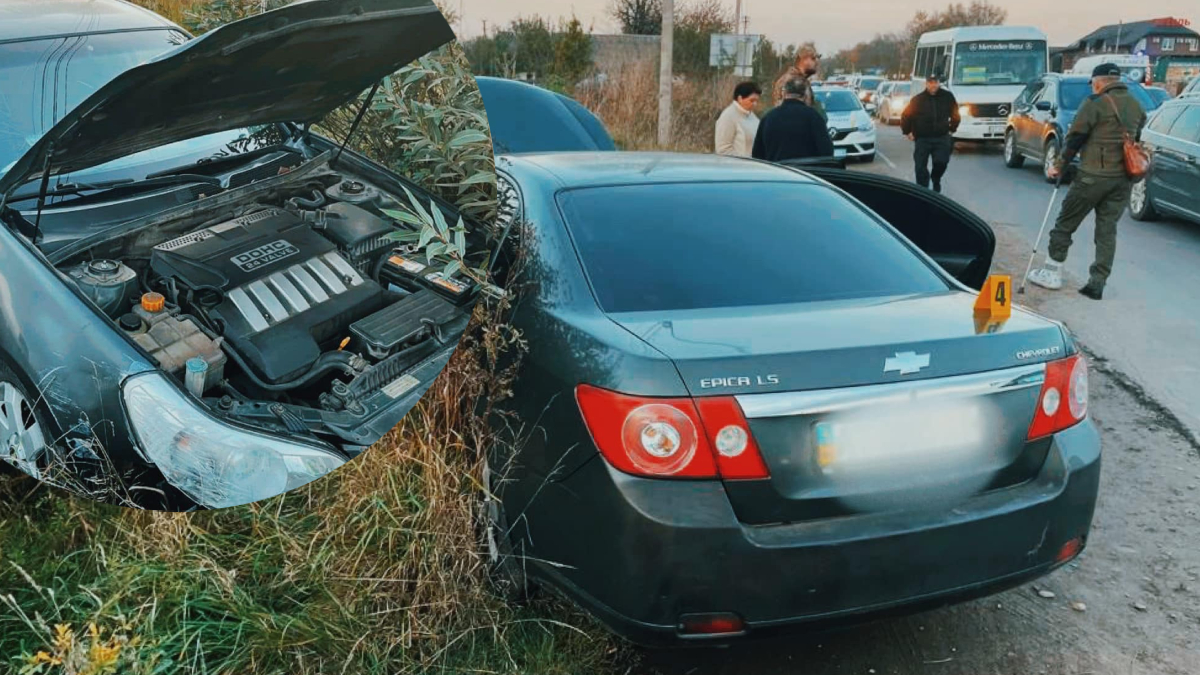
(1129, 605)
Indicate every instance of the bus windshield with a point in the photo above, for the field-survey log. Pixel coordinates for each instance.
(991, 62)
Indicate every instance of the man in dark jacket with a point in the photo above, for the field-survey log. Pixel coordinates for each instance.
(1098, 136)
(793, 130)
(930, 120)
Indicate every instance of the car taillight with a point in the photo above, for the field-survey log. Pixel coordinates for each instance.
(671, 437)
(729, 432)
(1063, 400)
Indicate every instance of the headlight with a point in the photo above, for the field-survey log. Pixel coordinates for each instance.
(215, 464)
(865, 124)
(964, 111)
(898, 104)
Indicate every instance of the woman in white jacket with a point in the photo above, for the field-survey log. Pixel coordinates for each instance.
(738, 125)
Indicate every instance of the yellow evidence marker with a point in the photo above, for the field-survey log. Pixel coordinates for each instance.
(995, 300)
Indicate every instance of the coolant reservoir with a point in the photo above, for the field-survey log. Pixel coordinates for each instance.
(109, 283)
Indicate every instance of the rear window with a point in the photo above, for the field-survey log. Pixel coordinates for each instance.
(689, 246)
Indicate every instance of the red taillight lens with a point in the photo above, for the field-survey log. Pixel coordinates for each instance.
(647, 436)
(729, 433)
(1063, 400)
(702, 625)
(671, 437)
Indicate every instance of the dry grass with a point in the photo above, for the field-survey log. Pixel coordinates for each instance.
(628, 104)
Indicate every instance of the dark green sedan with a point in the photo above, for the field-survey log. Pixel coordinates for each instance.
(758, 397)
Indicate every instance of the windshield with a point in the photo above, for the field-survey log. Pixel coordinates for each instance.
(650, 247)
(870, 83)
(992, 62)
(838, 100)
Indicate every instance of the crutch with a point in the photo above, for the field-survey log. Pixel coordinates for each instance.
(1045, 221)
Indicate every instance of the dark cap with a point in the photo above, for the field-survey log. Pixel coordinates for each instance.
(1106, 70)
(933, 77)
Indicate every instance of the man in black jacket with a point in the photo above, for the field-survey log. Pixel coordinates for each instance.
(930, 120)
(793, 130)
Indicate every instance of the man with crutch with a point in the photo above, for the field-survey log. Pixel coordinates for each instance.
(1102, 185)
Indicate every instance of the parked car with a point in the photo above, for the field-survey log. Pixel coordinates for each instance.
(694, 448)
(1173, 184)
(1193, 87)
(893, 98)
(850, 125)
(201, 300)
(1041, 116)
(1159, 95)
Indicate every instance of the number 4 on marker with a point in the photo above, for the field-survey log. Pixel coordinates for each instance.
(995, 299)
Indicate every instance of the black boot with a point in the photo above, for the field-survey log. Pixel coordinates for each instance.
(1092, 291)
(937, 186)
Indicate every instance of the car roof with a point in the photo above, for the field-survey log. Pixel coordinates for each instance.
(595, 169)
(32, 19)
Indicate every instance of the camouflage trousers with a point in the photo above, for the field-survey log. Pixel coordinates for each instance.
(1108, 196)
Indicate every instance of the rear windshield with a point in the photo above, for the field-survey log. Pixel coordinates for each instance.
(691, 246)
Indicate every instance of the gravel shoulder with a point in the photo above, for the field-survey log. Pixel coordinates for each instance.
(1129, 605)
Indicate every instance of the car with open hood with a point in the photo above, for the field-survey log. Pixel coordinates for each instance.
(758, 397)
(203, 301)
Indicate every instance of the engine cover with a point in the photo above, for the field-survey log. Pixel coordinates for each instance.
(286, 290)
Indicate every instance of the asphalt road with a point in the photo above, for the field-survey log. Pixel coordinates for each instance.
(1148, 324)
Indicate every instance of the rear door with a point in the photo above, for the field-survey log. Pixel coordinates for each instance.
(958, 240)
(1176, 163)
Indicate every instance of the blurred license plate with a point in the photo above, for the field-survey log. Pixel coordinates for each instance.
(996, 130)
(839, 153)
(873, 439)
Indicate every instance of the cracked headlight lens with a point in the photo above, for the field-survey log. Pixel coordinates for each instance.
(215, 464)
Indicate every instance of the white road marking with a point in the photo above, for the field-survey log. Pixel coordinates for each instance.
(884, 157)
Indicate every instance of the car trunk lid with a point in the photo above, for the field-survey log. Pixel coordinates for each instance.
(868, 404)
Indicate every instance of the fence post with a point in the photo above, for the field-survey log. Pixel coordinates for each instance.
(666, 75)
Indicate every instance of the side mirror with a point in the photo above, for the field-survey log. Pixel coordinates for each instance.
(1044, 106)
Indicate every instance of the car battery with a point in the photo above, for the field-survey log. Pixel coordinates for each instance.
(412, 273)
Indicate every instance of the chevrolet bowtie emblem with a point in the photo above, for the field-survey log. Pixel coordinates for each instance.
(906, 363)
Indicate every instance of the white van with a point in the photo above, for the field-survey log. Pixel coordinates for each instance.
(1136, 68)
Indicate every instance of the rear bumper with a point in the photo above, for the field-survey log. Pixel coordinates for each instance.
(640, 553)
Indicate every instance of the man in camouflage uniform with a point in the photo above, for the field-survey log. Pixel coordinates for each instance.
(1101, 184)
(804, 68)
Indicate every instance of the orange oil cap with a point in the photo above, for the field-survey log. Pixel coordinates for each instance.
(153, 302)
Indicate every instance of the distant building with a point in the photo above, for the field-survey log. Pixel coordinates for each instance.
(1173, 47)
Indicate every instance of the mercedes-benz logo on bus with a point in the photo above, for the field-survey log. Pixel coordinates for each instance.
(1003, 110)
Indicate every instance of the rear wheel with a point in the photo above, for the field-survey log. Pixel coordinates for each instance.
(1140, 206)
(23, 431)
(1050, 157)
(1013, 158)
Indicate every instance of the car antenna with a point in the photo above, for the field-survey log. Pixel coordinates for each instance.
(37, 222)
(362, 112)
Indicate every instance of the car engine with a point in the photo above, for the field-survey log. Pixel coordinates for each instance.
(306, 299)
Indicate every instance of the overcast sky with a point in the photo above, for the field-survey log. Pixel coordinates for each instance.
(834, 25)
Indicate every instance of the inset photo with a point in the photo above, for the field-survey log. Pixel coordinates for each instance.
(237, 246)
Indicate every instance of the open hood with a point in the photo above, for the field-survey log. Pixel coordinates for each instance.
(295, 64)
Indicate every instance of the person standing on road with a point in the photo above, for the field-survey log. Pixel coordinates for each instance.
(805, 67)
(1098, 136)
(793, 130)
(930, 120)
(738, 125)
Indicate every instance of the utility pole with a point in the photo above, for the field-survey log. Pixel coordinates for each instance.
(1120, 26)
(737, 17)
(666, 75)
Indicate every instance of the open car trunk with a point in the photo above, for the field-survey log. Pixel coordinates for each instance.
(960, 241)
